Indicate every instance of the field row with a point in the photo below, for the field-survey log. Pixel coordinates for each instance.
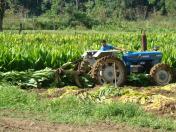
(40, 50)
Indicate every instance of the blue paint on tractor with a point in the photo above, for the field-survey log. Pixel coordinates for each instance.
(144, 58)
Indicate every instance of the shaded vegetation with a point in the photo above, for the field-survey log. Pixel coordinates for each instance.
(60, 14)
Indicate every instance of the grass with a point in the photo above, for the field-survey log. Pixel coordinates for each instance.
(72, 110)
(156, 23)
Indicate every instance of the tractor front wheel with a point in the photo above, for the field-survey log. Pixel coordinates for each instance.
(109, 69)
(161, 74)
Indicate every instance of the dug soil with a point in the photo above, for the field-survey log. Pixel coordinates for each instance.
(21, 125)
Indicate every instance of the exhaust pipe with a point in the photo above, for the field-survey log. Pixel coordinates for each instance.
(144, 41)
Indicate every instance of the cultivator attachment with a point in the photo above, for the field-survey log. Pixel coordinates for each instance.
(75, 73)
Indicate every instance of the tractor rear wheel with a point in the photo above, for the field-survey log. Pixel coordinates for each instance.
(107, 68)
(161, 74)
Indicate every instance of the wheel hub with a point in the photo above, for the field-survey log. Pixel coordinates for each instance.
(163, 76)
(107, 74)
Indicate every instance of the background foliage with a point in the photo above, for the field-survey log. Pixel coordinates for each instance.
(58, 14)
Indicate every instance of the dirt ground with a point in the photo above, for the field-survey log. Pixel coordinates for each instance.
(21, 125)
(160, 100)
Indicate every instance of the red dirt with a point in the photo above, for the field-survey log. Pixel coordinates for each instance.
(21, 125)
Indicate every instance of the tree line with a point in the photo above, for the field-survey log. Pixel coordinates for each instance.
(88, 12)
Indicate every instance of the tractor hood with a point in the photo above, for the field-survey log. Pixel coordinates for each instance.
(144, 55)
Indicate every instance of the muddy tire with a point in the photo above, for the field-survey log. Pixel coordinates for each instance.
(103, 71)
(161, 74)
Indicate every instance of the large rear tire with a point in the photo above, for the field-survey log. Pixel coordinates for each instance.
(161, 74)
(103, 71)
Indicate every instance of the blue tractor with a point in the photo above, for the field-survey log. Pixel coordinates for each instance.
(108, 67)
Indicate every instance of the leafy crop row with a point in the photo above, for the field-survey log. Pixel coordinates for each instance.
(40, 50)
